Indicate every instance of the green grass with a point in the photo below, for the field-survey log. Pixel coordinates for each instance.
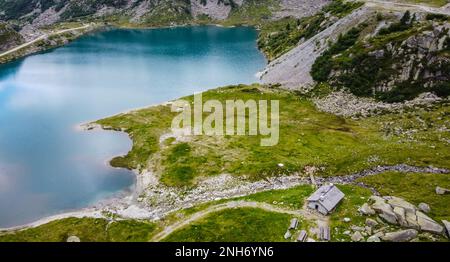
(307, 138)
(415, 188)
(131, 231)
(437, 3)
(292, 198)
(355, 197)
(87, 229)
(235, 225)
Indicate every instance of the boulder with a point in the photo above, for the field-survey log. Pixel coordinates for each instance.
(346, 219)
(398, 202)
(73, 239)
(401, 216)
(411, 220)
(373, 238)
(427, 224)
(385, 212)
(400, 236)
(368, 230)
(424, 207)
(375, 199)
(442, 191)
(365, 209)
(371, 222)
(287, 235)
(447, 227)
(357, 236)
(357, 228)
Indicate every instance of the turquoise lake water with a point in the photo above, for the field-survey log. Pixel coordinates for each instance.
(47, 165)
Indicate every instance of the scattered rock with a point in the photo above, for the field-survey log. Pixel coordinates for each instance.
(442, 191)
(373, 238)
(368, 230)
(73, 239)
(357, 236)
(400, 236)
(424, 207)
(287, 235)
(357, 228)
(346, 232)
(371, 222)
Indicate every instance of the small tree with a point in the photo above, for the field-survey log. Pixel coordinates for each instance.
(406, 18)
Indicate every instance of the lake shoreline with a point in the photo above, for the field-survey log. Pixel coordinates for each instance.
(97, 27)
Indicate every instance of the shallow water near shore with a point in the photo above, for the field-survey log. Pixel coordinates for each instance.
(47, 165)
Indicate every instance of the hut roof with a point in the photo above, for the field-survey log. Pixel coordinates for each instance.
(328, 195)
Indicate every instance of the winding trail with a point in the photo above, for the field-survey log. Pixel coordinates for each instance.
(42, 37)
(304, 213)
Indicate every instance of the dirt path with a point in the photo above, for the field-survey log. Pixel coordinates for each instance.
(304, 213)
(42, 37)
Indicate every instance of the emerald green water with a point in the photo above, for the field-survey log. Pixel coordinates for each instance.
(47, 165)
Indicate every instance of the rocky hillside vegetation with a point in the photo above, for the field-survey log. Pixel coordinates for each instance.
(392, 56)
(9, 37)
(390, 61)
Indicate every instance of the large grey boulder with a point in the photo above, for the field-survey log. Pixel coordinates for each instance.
(401, 216)
(447, 227)
(398, 202)
(411, 220)
(427, 224)
(385, 210)
(400, 236)
(365, 209)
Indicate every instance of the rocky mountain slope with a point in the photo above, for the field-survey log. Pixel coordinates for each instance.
(393, 66)
(388, 55)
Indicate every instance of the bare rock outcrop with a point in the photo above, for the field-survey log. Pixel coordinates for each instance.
(217, 10)
(397, 211)
(300, 8)
(400, 236)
